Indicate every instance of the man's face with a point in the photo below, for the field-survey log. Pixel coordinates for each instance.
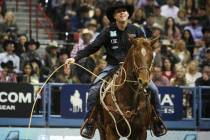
(10, 47)
(121, 15)
(157, 73)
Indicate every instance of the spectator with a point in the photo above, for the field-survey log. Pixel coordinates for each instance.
(206, 61)
(105, 23)
(89, 63)
(157, 31)
(179, 78)
(9, 25)
(62, 76)
(149, 7)
(8, 54)
(202, 13)
(31, 52)
(138, 16)
(7, 75)
(159, 19)
(204, 80)
(98, 15)
(169, 9)
(80, 19)
(195, 28)
(188, 6)
(158, 78)
(168, 68)
(200, 54)
(189, 41)
(51, 58)
(86, 37)
(166, 51)
(172, 31)
(104, 4)
(181, 51)
(192, 73)
(68, 8)
(22, 39)
(3, 37)
(148, 25)
(182, 19)
(92, 25)
(28, 75)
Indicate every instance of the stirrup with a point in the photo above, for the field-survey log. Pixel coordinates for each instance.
(90, 135)
(158, 122)
(89, 120)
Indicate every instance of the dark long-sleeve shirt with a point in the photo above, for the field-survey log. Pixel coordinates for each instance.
(115, 41)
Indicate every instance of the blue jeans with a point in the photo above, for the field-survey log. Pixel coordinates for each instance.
(93, 94)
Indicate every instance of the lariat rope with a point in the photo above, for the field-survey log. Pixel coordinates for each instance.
(104, 81)
(102, 96)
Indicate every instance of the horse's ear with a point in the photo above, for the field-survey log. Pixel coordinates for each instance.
(153, 41)
(131, 38)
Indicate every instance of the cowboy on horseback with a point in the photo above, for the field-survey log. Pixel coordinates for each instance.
(116, 42)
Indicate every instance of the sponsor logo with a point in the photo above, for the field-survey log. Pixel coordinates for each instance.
(167, 103)
(14, 97)
(113, 33)
(76, 102)
(113, 41)
(115, 47)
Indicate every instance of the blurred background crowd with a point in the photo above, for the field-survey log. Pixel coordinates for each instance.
(183, 51)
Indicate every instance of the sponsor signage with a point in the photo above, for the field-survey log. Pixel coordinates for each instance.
(16, 100)
(73, 101)
(171, 103)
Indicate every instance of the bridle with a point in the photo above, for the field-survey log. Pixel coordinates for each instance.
(138, 68)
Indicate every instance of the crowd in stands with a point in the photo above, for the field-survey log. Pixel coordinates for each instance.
(182, 53)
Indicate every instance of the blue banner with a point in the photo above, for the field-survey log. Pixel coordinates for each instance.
(74, 100)
(171, 103)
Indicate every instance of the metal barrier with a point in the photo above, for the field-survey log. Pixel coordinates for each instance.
(204, 103)
(49, 115)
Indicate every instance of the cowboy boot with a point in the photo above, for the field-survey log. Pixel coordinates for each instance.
(158, 127)
(89, 126)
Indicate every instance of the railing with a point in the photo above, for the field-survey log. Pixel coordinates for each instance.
(47, 26)
(50, 115)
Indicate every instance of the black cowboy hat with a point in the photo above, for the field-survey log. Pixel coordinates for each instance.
(119, 4)
(32, 41)
(8, 64)
(8, 41)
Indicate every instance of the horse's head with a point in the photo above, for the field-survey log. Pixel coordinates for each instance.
(141, 57)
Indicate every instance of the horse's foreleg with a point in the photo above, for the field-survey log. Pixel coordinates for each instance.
(110, 134)
(140, 134)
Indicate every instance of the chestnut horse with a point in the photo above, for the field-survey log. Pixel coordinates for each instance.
(125, 109)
